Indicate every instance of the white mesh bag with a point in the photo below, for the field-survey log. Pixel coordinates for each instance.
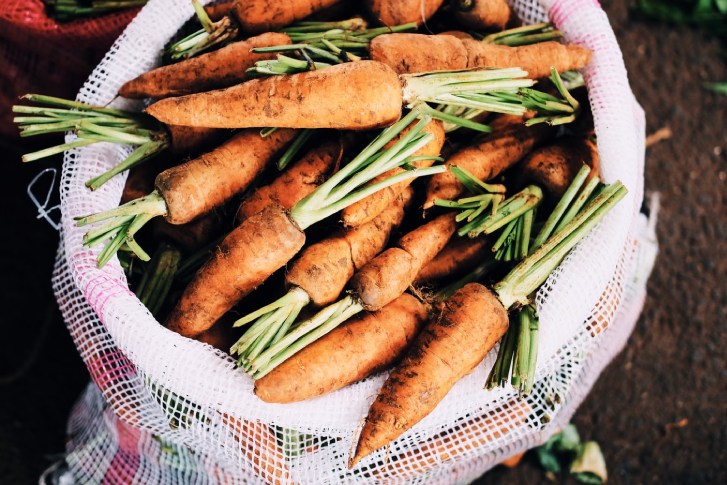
(166, 409)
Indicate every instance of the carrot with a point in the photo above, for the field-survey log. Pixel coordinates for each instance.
(536, 59)
(368, 208)
(473, 320)
(392, 12)
(375, 285)
(486, 159)
(458, 255)
(446, 52)
(193, 235)
(323, 269)
(218, 10)
(316, 99)
(554, 166)
(260, 447)
(219, 284)
(348, 354)
(513, 461)
(454, 443)
(184, 140)
(296, 182)
(318, 276)
(448, 348)
(388, 275)
(217, 69)
(322, 98)
(482, 14)
(187, 191)
(269, 239)
(256, 16)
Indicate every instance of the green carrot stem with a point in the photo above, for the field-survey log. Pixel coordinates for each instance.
(523, 346)
(108, 252)
(475, 185)
(110, 229)
(577, 204)
(353, 24)
(533, 353)
(295, 296)
(510, 210)
(300, 139)
(78, 105)
(453, 122)
(202, 16)
(47, 152)
(561, 206)
(141, 154)
(321, 324)
(305, 327)
(527, 225)
(152, 204)
(527, 276)
(505, 236)
(318, 215)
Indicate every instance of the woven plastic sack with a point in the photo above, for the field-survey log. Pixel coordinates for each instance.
(38, 54)
(166, 409)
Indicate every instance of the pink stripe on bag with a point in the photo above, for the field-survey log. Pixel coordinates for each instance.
(563, 9)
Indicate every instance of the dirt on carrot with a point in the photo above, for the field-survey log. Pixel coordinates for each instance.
(313, 99)
(220, 284)
(447, 349)
(348, 354)
(217, 69)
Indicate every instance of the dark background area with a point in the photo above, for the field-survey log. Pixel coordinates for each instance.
(658, 411)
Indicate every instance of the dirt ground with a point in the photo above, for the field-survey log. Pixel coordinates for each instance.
(658, 411)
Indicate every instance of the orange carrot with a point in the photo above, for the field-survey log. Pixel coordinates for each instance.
(260, 447)
(217, 69)
(266, 241)
(553, 167)
(348, 354)
(486, 159)
(220, 284)
(314, 99)
(447, 52)
(432, 52)
(200, 185)
(448, 348)
(297, 181)
(184, 140)
(257, 16)
(193, 235)
(324, 268)
(368, 208)
(318, 276)
(482, 14)
(536, 59)
(187, 191)
(454, 443)
(218, 10)
(459, 255)
(393, 12)
(389, 274)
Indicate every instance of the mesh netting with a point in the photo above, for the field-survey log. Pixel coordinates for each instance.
(166, 409)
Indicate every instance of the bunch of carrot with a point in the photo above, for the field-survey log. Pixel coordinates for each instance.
(327, 258)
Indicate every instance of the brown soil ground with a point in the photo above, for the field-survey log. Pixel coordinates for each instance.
(673, 370)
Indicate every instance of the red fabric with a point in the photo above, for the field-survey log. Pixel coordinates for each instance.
(40, 55)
